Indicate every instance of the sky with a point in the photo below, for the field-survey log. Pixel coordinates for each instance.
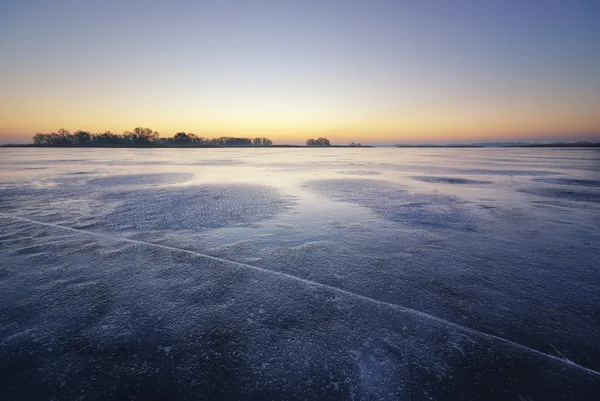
(377, 72)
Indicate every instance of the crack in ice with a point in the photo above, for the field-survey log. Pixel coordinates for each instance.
(319, 285)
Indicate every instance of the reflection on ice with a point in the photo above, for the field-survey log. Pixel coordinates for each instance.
(395, 203)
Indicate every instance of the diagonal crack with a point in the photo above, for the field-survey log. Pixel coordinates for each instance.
(320, 285)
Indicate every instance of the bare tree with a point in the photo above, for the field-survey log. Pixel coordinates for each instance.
(318, 142)
(82, 137)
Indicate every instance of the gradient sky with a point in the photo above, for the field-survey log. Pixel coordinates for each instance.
(368, 71)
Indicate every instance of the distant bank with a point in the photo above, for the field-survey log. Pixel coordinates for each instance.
(142, 137)
(147, 138)
(192, 146)
(198, 146)
(582, 144)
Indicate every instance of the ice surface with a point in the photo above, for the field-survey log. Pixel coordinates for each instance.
(299, 274)
(571, 181)
(449, 180)
(568, 194)
(156, 179)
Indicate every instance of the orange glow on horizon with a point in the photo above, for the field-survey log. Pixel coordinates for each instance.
(298, 122)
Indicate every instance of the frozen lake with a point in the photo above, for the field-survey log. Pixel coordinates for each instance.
(256, 274)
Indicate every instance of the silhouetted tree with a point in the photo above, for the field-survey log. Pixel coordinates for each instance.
(198, 140)
(60, 138)
(40, 139)
(231, 141)
(128, 137)
(107, 138)
(318, 142)
(181, 137)
(64, 132)
(82, 138)
(192, 138)
(144, 136)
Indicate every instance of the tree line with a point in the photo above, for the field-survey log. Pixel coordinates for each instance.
(140, 137)
(147, 137)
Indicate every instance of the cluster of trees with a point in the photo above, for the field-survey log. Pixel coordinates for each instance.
(140, 137)
(318, 142)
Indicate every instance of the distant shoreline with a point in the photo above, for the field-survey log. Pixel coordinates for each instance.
(185, 146)
(163, 146)
(509, 145)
